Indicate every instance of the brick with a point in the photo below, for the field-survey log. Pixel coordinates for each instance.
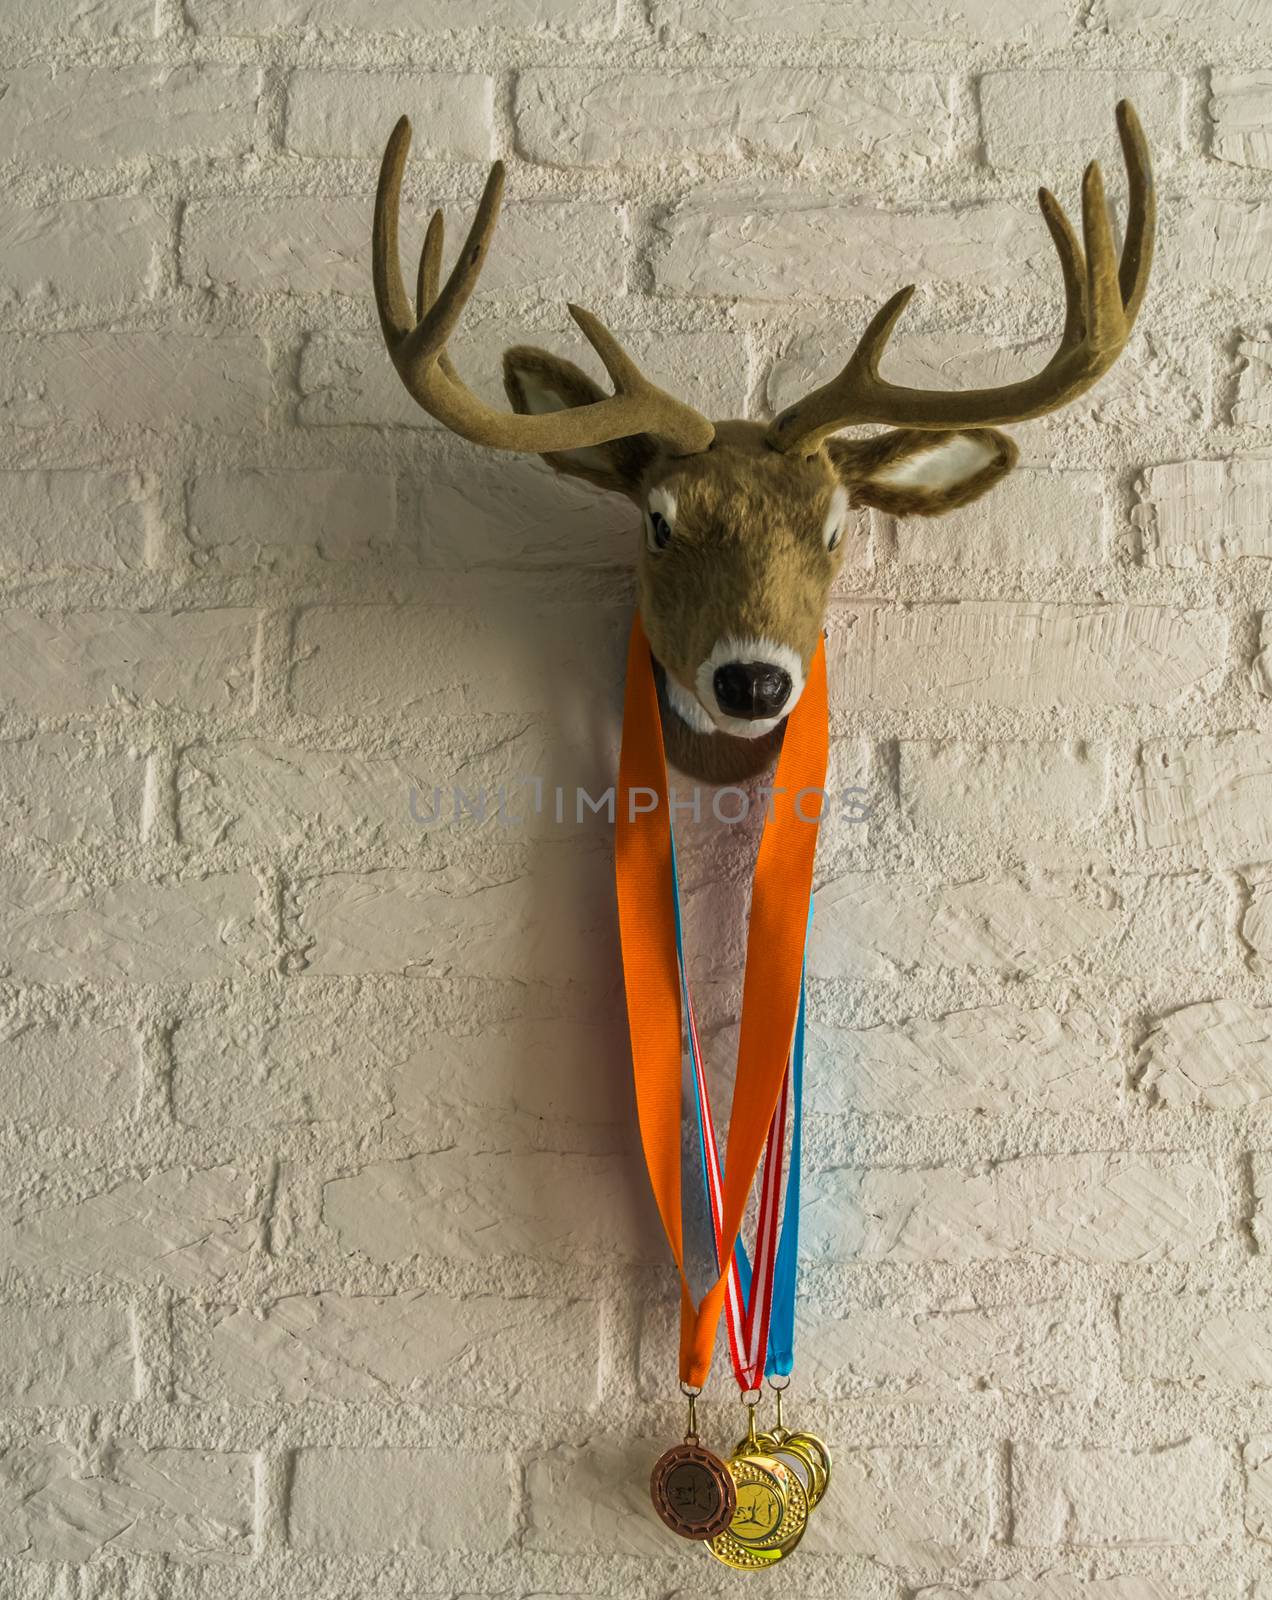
(1252, 404)
(1031, 519)
(344, 113)
(983, 1059)
(1261, 666)
(79, 19)
(1033, 790)
(181, 1227)
(1205, 795)
(348, 379)
(553, 921)
(59, 1505)
(1195, 1340)
(924, 1353)
(1260, 1221)
(260, 792)
(592, 1497)
(96, 116)
(159, 382)
(766, 245)
(1257, 1460)
(506, 510)
(872, 925)
(1240, 109)
(451, 660)
(1220, 244)
(276, 1072)
(101, 660)
(876, 925)
(1048, 22)
(66, 1355)
(255, 518)
(1256, 920)
(1192, 513)
(545, 249)
(1060, 120)
(993, 652)
(568, 119)
(67, 520)
(540, 1073)
(1216, 1054)
(1155, 383)
(483, 1205)
(367, 1502)
(919, 1507)
(1090, 1497)
(1184, 19)
(72, 1074)
(79, 252)
(1060, 1586)
(1104, 1207)
(301, 1066)
(55, 930)
(576, 18)
(416, 1347)
(65, 788)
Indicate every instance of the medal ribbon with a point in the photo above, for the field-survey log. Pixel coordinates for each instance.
(749, 1298)
(760, 1304)
(770, 996)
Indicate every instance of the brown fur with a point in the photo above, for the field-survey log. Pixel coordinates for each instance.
(747, 556)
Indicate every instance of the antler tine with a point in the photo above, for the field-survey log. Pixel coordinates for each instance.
(417, 344)
(386, 264)
(428, 281)
(1102, 298)
(1072, 265)
(1141, 219)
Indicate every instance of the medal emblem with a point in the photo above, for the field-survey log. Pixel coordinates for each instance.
(693, 1491)
(771, 1514)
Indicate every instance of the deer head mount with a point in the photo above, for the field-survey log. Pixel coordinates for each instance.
(742, 522)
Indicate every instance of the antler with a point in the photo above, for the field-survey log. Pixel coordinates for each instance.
(1101, 302)
(417, 343)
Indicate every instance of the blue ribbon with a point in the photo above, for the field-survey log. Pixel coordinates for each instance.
(780, 1356)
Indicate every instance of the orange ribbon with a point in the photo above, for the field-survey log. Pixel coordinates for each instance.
(774, 960)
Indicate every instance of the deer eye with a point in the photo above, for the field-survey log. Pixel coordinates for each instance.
(658, 531)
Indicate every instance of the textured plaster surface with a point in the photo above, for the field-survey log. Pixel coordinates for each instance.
(327, 1270)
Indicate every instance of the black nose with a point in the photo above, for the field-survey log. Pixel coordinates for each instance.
(751, 689)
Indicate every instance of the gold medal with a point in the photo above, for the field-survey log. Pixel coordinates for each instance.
(771, 1512)
(804, 1446)
(692, 1489)
(812, 1449)
(805, 1450)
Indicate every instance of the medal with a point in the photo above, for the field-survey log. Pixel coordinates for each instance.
(692, 1489)
(751, 1510)
(772, 1506)
(806, 1449)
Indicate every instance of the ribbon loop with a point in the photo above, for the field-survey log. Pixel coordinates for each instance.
(772, 985)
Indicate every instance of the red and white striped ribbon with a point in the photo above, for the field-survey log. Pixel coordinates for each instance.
(747, 1320)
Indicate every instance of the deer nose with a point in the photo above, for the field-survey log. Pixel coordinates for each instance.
(751, 689)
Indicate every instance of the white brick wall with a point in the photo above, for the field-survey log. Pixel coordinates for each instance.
(327, 1267)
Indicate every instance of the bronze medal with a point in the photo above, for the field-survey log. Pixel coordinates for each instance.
(693, 1491)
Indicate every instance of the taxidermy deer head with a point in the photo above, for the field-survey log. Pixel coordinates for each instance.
(742, 523)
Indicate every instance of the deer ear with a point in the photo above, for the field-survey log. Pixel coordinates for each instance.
(536, 382)
(916, 472)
